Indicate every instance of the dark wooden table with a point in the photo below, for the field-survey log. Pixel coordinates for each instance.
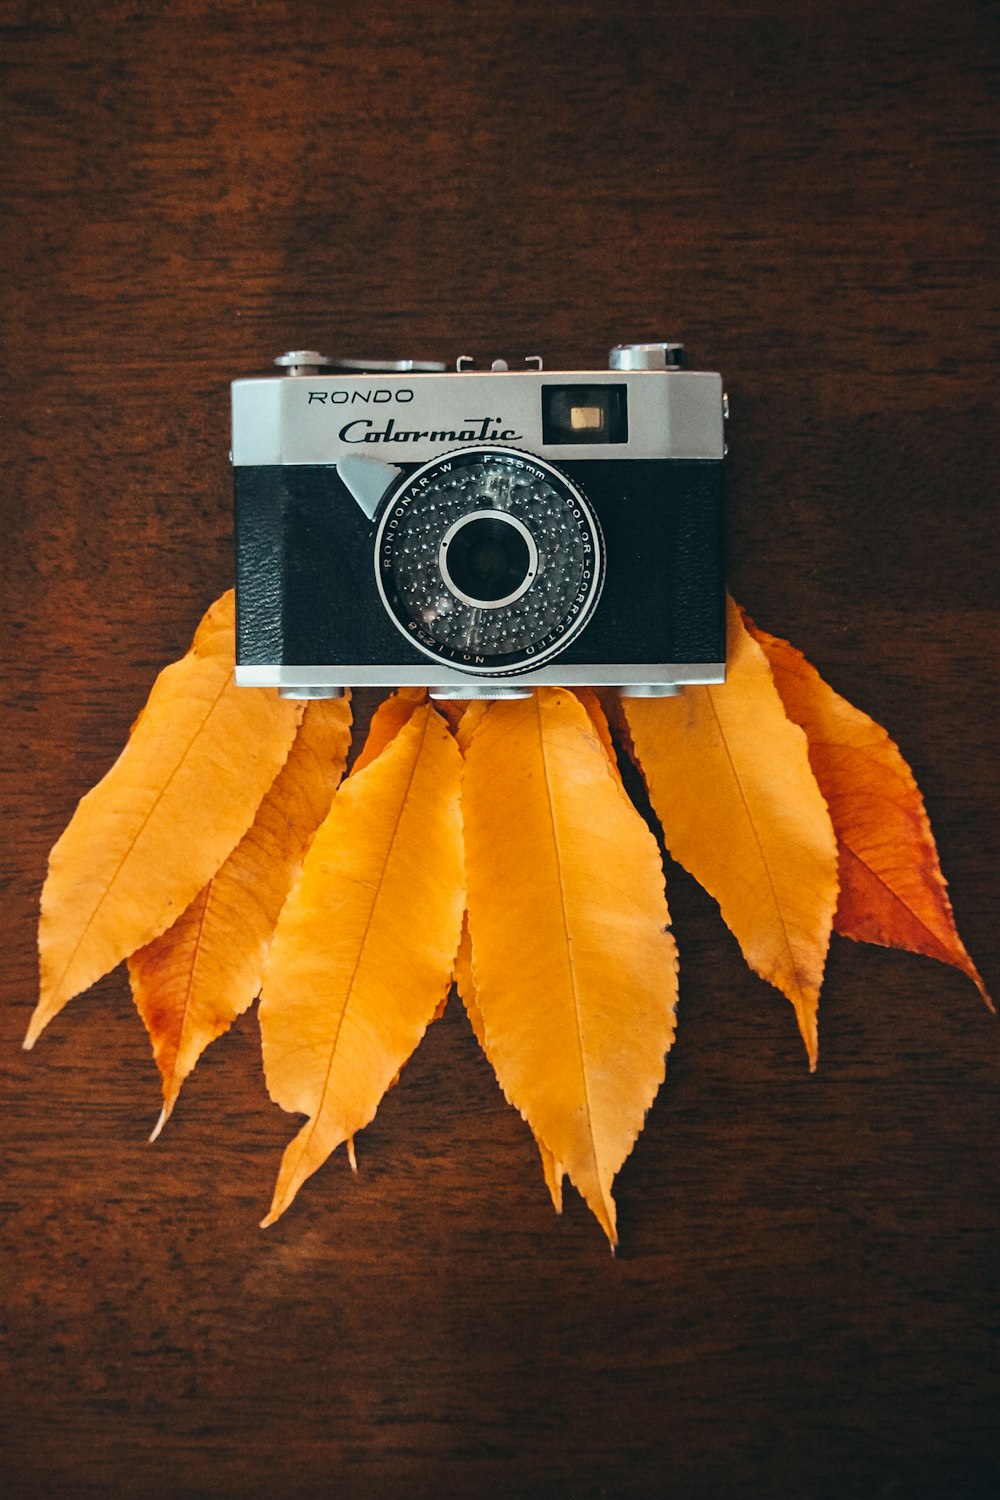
(805, 1303)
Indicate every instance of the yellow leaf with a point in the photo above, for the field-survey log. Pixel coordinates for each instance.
(365, 945)
(551, 1170)
(574, 970)
(729, 778)
(192, 982)
(179, 798)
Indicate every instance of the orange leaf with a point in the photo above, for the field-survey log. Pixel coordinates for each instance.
(729, 778)
(191, 983)
(599, 719)
(891, 887)
(365, 944)
(179, 798)
(574, 970)
(387, 720)
(469, 721)
(551, 1170)
(452, 709)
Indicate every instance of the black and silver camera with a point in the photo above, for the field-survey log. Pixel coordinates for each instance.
(479, 532)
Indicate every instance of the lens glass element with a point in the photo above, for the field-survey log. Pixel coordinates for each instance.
(489, 559)
(486, 559)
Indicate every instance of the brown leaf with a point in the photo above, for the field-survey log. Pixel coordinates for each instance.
(365, 944)
(574, 970)
(179, 798)
(191, 983)
(891, 887)
(729, 778)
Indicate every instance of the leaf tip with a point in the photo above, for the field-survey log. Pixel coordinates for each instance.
(351, 1156)
(36, 1026)
(164, 1117)
(977, 980)
(606, 1215)
(279, 1203)
(808, 1020)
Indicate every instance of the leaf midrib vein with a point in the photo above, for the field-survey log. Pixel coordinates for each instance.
(569, 941)
(900, 901)
(306, 1135)
(760, 848)
(138, 834)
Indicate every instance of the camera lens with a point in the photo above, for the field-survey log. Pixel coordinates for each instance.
(487, 558)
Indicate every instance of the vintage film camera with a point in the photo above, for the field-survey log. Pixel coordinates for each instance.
(479, 532)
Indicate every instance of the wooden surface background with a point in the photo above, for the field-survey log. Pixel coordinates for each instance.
(805, 1304)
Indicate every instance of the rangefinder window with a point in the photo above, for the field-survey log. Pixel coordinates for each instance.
(584, 414)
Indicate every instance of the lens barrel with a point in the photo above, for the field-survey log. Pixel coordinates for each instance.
(489, 559)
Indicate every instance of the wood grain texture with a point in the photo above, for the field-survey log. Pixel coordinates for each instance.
(805, 1302)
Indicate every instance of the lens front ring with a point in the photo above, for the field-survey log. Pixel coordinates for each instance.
(524, 590)
(459, 531)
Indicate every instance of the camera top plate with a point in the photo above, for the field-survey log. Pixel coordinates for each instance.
(318, 418)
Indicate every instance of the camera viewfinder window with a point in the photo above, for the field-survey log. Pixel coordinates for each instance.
(584, 414)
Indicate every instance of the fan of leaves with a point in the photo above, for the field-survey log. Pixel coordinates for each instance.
(490, 845)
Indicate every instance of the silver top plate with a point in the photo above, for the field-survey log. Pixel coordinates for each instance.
(399, 418)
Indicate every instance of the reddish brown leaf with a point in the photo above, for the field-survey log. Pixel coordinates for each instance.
(892, 891)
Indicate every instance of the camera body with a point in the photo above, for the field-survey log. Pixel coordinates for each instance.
(479, 532)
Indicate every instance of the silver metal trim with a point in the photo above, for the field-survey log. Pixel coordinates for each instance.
(315, 691)
(367, 479)
(476, 695)
(661, 356)
(561, 674)
(388, 366)
(402, 419)
(508, 520)
(303, 362)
